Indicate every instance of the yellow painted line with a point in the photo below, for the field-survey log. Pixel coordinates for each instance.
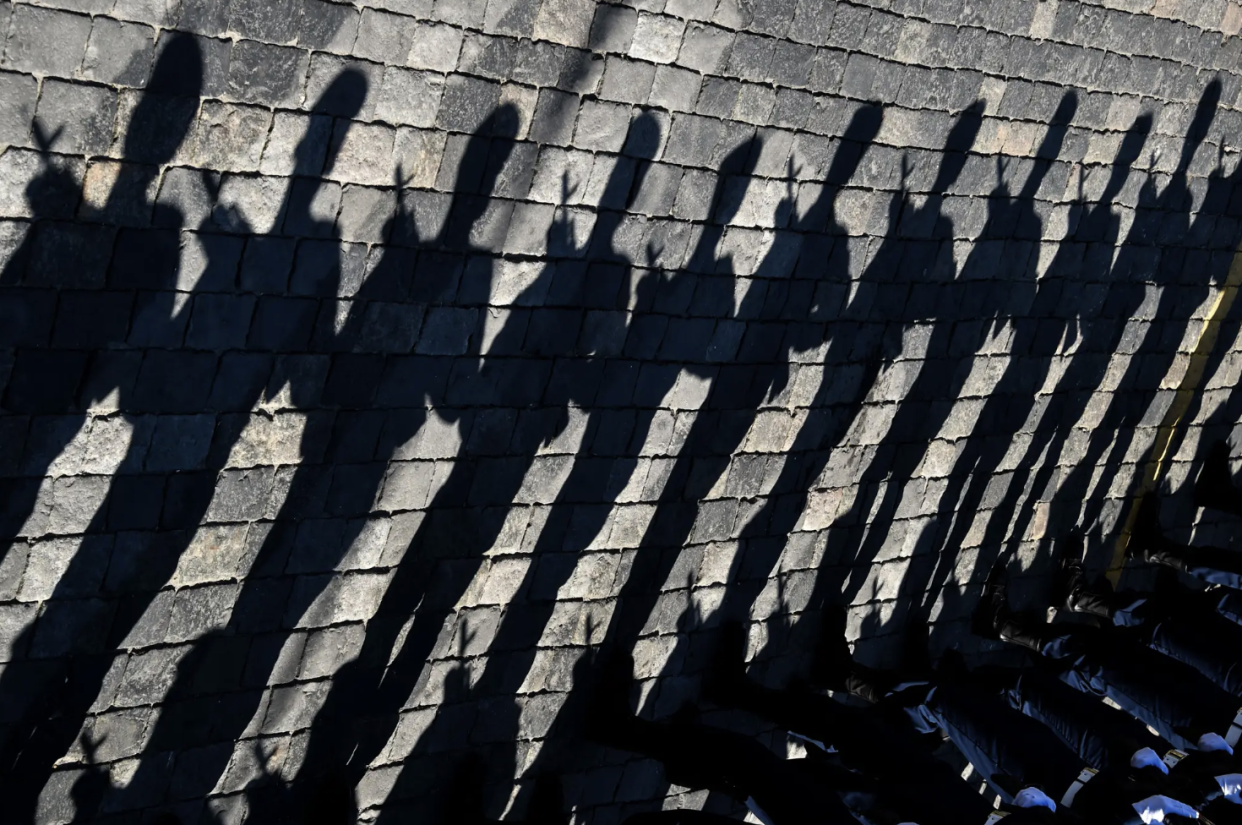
(1157, 463)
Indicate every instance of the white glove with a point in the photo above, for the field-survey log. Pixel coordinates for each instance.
(1148, 758)
(1209, 742)
(1231, 787)
(1153, 809)
(1034, 798)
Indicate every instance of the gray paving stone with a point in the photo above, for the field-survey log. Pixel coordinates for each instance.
(270, 75)
(216, 54)
(567, 22)
(674, 89)
(754, 104)
(329, 26)
(581, 71)
(601, 126)
(513, 17)
(627, 81)
(275, 22)
(46, 41)
(17, 105)
(492, 57)
(229, 137)
(83, 115)
(467, 102)
(325, 68)
(555, 117)
(705, 48)
(384, 37)
(206, 17)
(409, 98)
(119, 53)
(717, 97)
(613, 29)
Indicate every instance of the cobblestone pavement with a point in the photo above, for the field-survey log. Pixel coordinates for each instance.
(365, 365)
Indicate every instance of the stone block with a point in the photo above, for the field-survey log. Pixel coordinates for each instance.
(119, 53)
(627, 81)
(407, 485)
(200, 609)
(83, 117)
(277, 21)
(269, 440)
(15, 619)
(266, 74)
(317, 601)
(705, 48)
(229, 138)
(46, 41)
(17, 106)
(602, 126)
(326, 650)
(675, 89)
(467, 103)
(567, 22)
(217, 553)
(613, 29)
(435, 47)
(657, 38)
(148, 675)
(751, 57)
(324, 71)
(384, 37)
(409, 98)
(75, 501)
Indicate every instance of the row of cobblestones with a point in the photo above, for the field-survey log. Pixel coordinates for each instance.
(357, 381)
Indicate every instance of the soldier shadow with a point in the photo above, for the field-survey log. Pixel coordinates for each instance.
(361, 410)
(72, 316)
(981, 311)
(867, 335)
(1161, 273)
(207, 360)
(1054, 335)
(580, 322)
(1009, 490)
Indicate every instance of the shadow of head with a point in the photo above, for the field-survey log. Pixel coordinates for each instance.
(343, 98)
(478, 172)
(641, 144)
(1058, 127)
(1132, 144)
(163, 115)
(1205, 113)
(1050, 147)
(961, 138)
(732, 179)
(859, 134)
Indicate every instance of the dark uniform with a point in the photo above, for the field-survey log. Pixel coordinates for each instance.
(1011, 750)
(1216, 565)
(1183, 624)
(1001, 742)
(913, 782)
(788, 792)
(1106, 737)
(1172, 697)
